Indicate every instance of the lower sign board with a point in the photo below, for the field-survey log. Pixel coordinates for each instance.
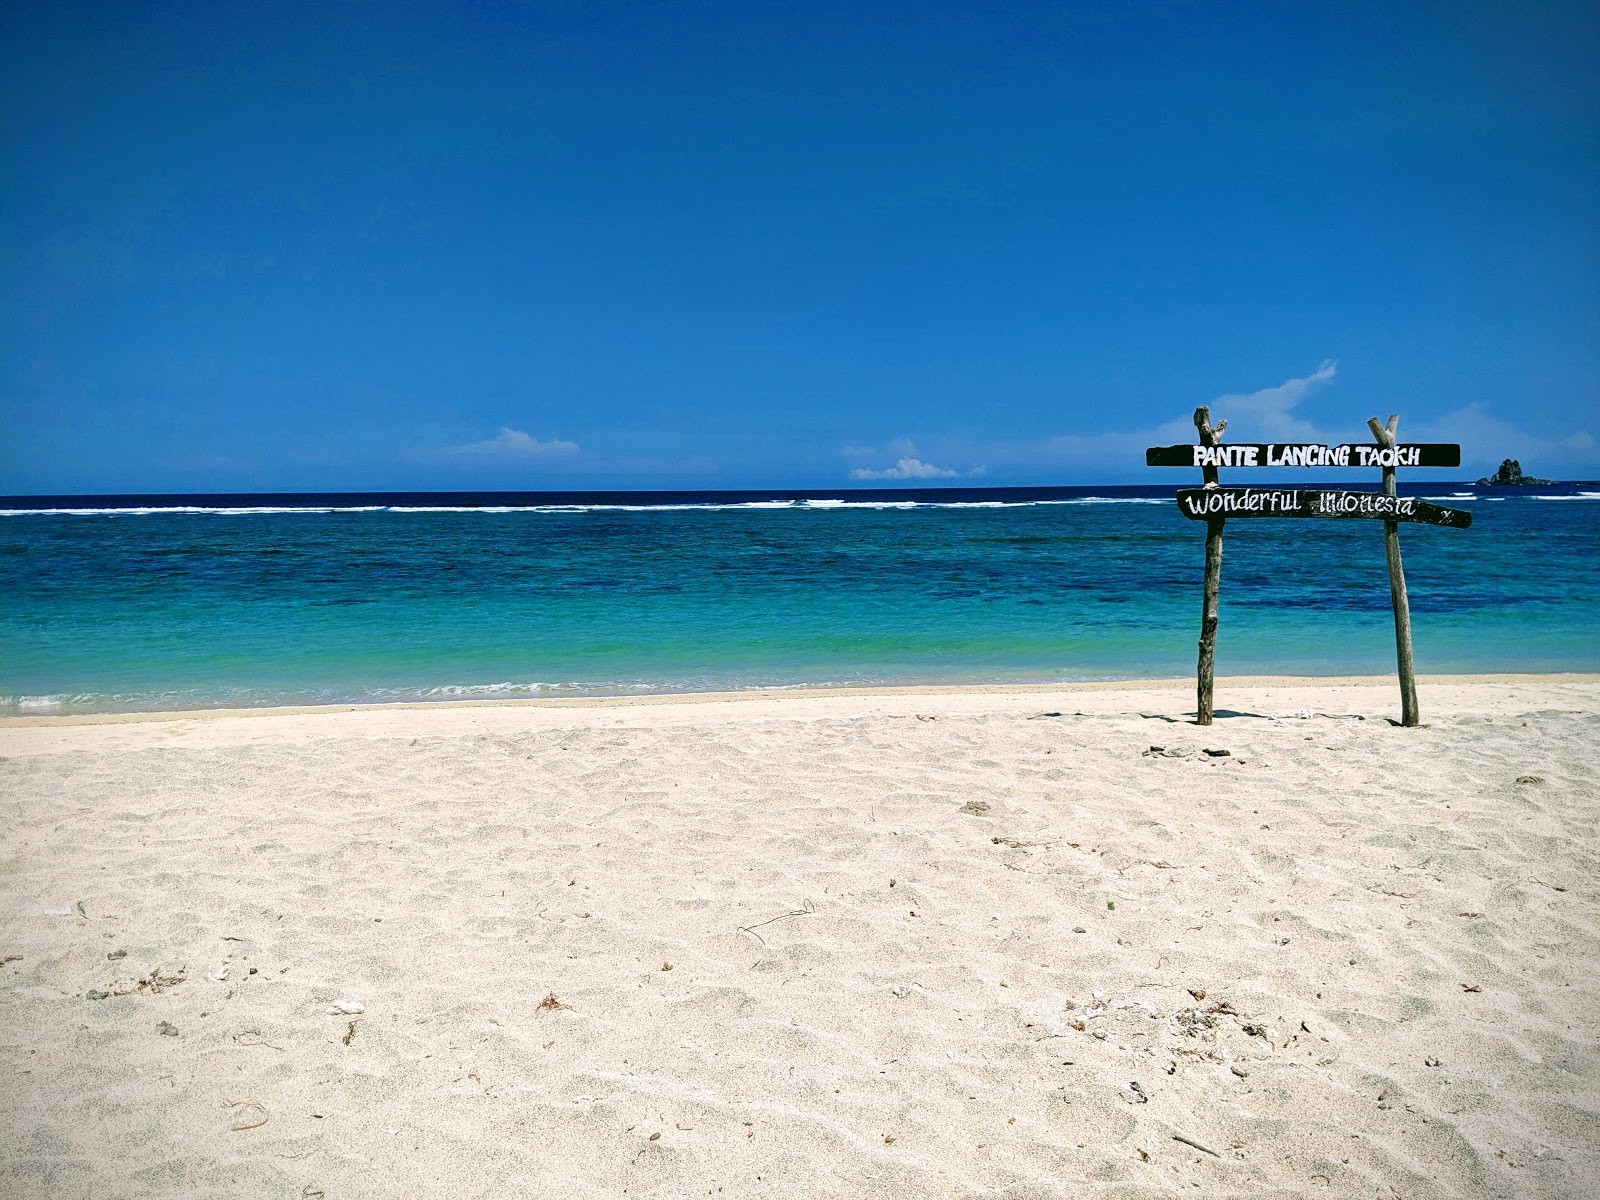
(1210, 504)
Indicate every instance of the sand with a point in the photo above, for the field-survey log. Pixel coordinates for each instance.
(899, 944)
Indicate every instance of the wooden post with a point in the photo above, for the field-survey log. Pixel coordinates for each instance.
(1209, 436)
(1409, 715)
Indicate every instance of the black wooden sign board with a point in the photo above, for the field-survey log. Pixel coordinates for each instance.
(1207, 504)
(1305, 454)
(1214, 504)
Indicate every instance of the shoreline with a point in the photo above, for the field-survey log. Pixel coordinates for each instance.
(792, 693)
(1372, 698)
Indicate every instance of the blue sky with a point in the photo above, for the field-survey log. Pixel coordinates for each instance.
(387, 245)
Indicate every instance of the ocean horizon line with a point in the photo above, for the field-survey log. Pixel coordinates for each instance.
(577, 500)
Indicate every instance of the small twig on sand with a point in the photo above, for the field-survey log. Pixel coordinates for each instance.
(255, 1039)
(799, 912)
(1178, 1137)
(1019, 844)
(249, 1109)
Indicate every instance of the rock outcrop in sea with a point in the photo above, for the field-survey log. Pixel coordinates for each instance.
(1510, 475)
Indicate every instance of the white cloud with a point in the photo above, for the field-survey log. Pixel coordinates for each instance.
(1486, 440)
(908, 464)
(906, 468)
(514, 443)
(1262, 416)
(1268, 415)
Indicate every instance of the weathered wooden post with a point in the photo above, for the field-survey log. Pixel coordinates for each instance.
(1409, 716)
(1209, 436)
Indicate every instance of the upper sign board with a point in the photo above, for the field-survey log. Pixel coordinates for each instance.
(1305, 454)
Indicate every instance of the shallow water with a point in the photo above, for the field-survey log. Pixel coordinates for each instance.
(147, 604)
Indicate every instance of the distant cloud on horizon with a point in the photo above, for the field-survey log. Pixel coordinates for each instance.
(515, 443)
(907, 466)
(1270, 415)
(1486, 439)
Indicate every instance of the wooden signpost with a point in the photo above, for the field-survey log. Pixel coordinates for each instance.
(1214, 504)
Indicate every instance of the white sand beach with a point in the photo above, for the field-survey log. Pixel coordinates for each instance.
(998, 942)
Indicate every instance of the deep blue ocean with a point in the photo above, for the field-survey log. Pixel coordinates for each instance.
(136, 603)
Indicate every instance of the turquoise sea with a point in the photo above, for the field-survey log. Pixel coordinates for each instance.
(135, 603)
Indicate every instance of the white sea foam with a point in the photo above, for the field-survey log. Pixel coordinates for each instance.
(877, 504)
(509, 690)
(821, 504)
(458, 691)
(184, 510)
(33, 704)
(354, 508)
(1111, 500)
(495, 509)
(464, 508)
